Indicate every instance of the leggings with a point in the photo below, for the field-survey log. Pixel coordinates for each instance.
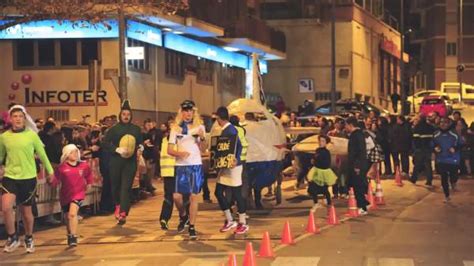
(314, 190)
(449, 174)
(236, 193)
(122, 172)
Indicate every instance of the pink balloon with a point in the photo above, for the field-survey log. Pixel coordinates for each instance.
(15, 86)
(26, 78)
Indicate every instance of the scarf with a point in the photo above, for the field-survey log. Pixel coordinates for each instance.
(184, 127)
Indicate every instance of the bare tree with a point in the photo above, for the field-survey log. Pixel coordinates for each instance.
(14, 12)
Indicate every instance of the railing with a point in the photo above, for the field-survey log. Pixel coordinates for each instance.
(47, 197)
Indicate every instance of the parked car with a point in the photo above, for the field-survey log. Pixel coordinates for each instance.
(347, 106)
(416, 99)
(436, 103)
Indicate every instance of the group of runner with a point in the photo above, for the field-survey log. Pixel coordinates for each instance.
(20, 145)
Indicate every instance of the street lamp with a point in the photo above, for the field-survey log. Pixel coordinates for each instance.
(460, 67)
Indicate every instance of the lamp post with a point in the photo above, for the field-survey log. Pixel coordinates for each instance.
(403, 93)
(460, 67)
(333, 56)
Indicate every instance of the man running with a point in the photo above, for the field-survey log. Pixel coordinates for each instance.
(185, 143)
(18, 146)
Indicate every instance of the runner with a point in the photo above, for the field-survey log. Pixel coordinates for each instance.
(122, 141)
(231, 179)
(18, 146)
(75, 177)
(185, 143)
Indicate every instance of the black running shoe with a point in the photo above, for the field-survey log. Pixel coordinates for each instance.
(182, 223)
(164, 225)
(72, 240)
(192, 233)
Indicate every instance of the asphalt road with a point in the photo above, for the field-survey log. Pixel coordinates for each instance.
(414, 228)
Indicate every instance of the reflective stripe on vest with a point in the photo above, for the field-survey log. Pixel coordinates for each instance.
(243, 141)
(167, 162)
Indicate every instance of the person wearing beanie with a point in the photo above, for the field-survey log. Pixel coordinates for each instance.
(18, 147)
(122, 141)
(75, 177)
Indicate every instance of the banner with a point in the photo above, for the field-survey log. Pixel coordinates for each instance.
(223, 149)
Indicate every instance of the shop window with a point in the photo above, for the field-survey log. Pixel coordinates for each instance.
(50, 53)
(25, 56)
(46, 54)
(174, 64)
(68, 49)
(205, 71)
(141, 65)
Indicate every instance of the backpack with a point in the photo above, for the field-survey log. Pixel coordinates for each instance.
(374, 150)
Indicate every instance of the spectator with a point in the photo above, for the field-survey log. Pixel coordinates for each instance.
(422, 138)
(383, 136)
(400, 144)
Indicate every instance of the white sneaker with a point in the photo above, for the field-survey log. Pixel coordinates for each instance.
(316, 206)
(29, 245)
(362, 212)
(447, 199)
(12, 244)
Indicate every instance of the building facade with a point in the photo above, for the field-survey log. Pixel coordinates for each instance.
(439, 44)
(45, 65)
(367, 51)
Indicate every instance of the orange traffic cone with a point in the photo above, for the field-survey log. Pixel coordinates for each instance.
(353, 211)
(232, 260)
(332, 217)
(398, 177)
(311, 227)
(286, 238)
(266, 250)
(379, 194)
(249, 257)
(370, 198)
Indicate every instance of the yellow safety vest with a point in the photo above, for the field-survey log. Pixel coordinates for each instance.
(243, 141)
(167, 162)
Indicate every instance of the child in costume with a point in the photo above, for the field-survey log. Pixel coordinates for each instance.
(321, 176)
(75, 177)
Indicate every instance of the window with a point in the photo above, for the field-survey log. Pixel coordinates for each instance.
(50, 53)
(174, 64)
(25, 56)
(58, 115)
(142, 65)
(89, 51)
(68, 52)
(205, 71)
(451, 49)
(46, 52)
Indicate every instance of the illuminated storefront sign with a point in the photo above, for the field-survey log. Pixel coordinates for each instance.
(144, 33)
(52, 29)
(204, 50)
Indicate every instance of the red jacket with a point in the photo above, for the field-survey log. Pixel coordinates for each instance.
(74, 180)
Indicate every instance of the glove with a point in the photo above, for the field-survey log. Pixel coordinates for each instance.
(141, 148)
(121, 151)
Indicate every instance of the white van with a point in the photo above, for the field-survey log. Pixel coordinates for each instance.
(452, 90)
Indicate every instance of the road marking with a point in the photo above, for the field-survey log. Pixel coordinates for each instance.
(468, 263)
(109, 239)
(117, 257)
(203, 262)
(118, 262)
(283, 261)
(390, 262)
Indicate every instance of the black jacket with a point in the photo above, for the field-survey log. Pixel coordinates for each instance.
(400, 138)
(357, 153)
(423, 136)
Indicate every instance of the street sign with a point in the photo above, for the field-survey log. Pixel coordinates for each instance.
(132, 53)
(306, 85)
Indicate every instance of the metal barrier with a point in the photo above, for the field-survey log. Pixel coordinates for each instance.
(47, 197)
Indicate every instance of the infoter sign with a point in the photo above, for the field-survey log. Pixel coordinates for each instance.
(35, 98)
